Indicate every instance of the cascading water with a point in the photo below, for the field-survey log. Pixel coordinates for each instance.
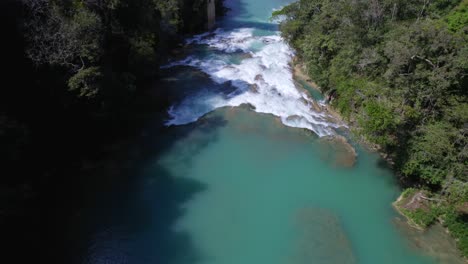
(239, 187)
(262, 79)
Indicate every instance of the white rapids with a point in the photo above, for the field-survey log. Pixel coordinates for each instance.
(262, 78)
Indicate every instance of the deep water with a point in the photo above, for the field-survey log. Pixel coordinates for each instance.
(243, 172)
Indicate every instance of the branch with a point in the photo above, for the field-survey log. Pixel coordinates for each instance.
(426, 2)
(431, 199)
(424, 59)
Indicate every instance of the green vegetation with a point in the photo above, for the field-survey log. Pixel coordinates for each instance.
(399, 70)
(422, 217)
(458, 227)
(421, 213)
(98, 42)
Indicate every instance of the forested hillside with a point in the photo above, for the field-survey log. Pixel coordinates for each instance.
(74, 72)
(398, 71)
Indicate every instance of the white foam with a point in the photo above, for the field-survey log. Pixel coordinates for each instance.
(268, 70)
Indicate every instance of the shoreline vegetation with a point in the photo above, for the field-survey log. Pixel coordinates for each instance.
(299, 74)
(412, 203)
(339, 143)
(397, 73)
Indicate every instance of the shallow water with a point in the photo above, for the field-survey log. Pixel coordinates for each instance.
(271, 196)
(242, 175)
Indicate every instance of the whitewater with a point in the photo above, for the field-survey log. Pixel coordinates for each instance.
(258, 67)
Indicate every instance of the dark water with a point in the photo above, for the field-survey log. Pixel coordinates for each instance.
(239, 186)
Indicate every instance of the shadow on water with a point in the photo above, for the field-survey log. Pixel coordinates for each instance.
(114, 209)
(392, 172)
(129, 216)
(236, 9)
(108, 208)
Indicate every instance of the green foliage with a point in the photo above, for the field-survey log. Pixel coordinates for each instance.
(143, 47)
(399, 68)
(458, 227)
(107, 47)
(422, 217)
(169, 10)
(432, 154)
(86, 82)
(87, 26)
(457, 192)
(142, 55)
(408, 192)
(458, 18)
(378, 121)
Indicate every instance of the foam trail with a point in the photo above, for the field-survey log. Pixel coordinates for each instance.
(262, 79)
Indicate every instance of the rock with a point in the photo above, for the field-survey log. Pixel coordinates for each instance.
(247, 106)
(293, 118)
(244, 56)
(299, 72)
(414, 202)
(316, 107)
(338, 151)
(254, 88)
(322, 237)
(435, 242)
(411, 201)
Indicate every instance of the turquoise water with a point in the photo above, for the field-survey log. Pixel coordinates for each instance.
(228, 185)
(271, 196)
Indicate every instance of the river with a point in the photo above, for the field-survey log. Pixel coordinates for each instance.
(245, 172)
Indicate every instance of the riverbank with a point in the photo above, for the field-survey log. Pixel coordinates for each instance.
(412, 204)
(299, 74)
(396, 100)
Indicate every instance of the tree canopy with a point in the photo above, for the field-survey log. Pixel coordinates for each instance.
(399, 70)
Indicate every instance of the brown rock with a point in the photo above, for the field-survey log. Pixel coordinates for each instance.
(337, 150)
(254, 88)
(322, 237)
(415, 201)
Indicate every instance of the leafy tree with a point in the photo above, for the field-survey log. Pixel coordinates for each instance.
(399, 68)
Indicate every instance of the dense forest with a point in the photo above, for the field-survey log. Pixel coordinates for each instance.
(398, 70)
(75, 70)
(78, 71)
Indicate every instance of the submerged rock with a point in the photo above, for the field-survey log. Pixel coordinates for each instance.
(259, 77)
(434, 242)
(245, 55)
(254, 88)
(299, 73)
(293, 118)
(316, 107)
(337, 150)
(323, 239)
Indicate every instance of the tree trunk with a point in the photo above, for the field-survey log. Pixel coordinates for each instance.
(211, 14)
